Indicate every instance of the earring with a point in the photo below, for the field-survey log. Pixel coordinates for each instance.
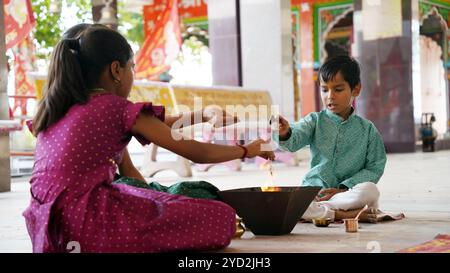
(117, 81)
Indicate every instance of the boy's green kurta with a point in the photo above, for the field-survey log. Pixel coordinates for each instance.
(344, 153)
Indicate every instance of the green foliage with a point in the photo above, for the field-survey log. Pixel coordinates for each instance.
(131, 25)
(84, 12)
(47, 31)
(50, 27)
(195, 40)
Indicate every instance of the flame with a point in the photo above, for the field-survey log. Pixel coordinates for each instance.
(271, 188)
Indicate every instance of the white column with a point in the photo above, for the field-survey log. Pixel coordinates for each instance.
(266, 49)
(416, 73)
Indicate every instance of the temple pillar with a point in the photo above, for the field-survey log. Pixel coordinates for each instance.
(384, 47)
(105, 12)
(266, 50)
(224, 42)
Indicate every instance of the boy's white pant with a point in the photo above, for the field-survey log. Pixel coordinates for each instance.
(355, 198)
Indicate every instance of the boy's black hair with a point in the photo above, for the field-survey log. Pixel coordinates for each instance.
(348, 67)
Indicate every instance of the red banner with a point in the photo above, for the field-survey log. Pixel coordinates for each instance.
(24, 62)
(19, 20)
(187, 9)
(161, 47)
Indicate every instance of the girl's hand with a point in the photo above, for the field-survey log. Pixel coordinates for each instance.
(260, 148)
(218, 117)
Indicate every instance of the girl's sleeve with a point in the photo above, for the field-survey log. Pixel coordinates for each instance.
(30, 125)
(132, 111)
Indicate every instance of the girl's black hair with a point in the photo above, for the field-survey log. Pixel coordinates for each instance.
(76, 30)
(75, 68)
(348, 67)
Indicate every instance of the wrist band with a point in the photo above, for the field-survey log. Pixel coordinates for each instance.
(245, 150)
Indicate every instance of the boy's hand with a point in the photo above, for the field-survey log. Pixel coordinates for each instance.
(283, 128)
(255, 149)
(326, 194)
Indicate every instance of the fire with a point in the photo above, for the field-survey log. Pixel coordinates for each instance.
(272, 188)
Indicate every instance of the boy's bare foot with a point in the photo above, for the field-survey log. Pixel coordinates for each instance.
(368, 216)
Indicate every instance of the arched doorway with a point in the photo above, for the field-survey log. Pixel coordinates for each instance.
(339, 38)
(336, 39)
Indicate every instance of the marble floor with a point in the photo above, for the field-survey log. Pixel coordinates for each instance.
(417, 184)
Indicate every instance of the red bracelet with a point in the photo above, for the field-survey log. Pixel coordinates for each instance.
(245, 150)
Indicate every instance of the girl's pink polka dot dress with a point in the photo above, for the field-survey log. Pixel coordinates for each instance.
(73, 198)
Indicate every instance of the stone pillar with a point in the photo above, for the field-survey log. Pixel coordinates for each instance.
(266, 50)
(383, 45)
(5, 169)
(105, 12)
(224, 41)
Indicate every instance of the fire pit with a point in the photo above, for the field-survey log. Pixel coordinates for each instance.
(274, 212)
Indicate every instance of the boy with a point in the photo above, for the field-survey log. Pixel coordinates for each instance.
(348, 154)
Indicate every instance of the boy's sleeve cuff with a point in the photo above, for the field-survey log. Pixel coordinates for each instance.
(288, 136)
(347, 184)
(276, 137)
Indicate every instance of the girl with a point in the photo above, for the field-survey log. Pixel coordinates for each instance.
(83, 125)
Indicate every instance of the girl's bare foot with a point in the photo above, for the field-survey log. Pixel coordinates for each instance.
(368, 216)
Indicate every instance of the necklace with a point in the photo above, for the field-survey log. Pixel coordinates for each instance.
(97, 89)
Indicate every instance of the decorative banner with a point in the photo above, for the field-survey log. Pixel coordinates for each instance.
(19, 20)
(161, 47)
(155, 92)
(24, 62)
(187, 9)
